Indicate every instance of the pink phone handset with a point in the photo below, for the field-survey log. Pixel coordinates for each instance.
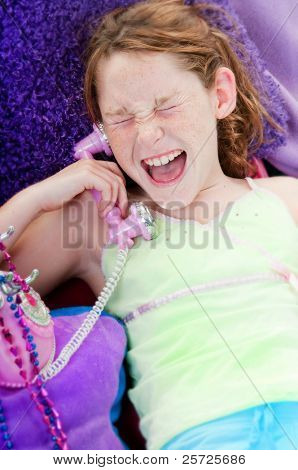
(94, 143)
(139, 221)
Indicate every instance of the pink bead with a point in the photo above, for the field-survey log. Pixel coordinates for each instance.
(20, 311)
(59, 442)
(32, 358)
(14, 350)
(53, 431)
(39, 382)
(23, 374)
(19, 363)
(39, 407)
(43, 392)
(63, 436)
(22, 322)
(46, 420)
(7, 335)
(58, 425)
(55, 413)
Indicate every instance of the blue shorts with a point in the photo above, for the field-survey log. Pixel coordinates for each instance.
(264, 427)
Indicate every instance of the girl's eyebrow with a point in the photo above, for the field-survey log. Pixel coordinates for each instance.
(123, 110)
(120, 111)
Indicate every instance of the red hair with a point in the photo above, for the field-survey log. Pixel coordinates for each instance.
(171, 26)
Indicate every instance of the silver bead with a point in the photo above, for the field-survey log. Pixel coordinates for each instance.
(7, 234)
(2, 300)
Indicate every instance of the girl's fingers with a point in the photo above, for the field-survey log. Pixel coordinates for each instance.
(108, 192)
(112, 167)
(108, 179)
(123, 200)
(118, 193)
(78, 177)
(120, 196)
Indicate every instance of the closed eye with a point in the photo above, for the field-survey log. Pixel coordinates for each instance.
(167, 109)
(121, 122)
(129, 119)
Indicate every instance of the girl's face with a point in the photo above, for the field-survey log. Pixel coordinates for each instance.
(151, 106)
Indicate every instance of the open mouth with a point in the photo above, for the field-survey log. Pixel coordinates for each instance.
(168, 173)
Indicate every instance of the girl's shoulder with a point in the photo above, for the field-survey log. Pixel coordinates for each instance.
(286, 188)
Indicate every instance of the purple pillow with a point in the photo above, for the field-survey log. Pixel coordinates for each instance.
(274, 31)
(41, 106)
(87, 392)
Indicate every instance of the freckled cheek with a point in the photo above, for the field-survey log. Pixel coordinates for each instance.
(183, 127)
(202, 122)
(194, 127)
(179, 127)
(121, 147)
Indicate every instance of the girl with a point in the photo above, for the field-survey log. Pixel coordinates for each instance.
(212, 326)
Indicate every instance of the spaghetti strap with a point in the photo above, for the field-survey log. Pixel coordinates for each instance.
(252, 183)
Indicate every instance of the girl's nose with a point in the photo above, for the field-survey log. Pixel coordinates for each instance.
(149, 131)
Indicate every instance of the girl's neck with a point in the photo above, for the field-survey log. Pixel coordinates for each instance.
(207, 205)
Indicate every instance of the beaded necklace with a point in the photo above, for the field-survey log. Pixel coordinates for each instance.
(36, 387)
(139, 222)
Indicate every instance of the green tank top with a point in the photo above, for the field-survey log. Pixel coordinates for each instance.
(211, 312)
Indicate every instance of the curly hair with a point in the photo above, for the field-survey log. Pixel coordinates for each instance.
(171, 26)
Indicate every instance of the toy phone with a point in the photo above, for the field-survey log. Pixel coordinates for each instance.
(121, 232)
(140, 220)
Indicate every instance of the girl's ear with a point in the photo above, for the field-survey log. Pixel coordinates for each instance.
(224, 92)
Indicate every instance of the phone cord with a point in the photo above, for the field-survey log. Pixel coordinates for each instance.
(77, 339)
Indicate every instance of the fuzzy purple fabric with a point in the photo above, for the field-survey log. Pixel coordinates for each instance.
(41, 106)
(83, 392)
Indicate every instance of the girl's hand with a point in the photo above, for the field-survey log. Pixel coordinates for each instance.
(80, 176)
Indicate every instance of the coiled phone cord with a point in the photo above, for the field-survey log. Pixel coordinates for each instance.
(77, 339)
(122, 231)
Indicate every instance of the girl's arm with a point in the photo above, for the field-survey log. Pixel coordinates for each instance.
(53, 221)
(19, 211)
(38, 241)
(24, 212)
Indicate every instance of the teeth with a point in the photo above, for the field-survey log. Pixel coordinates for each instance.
(163, 160)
